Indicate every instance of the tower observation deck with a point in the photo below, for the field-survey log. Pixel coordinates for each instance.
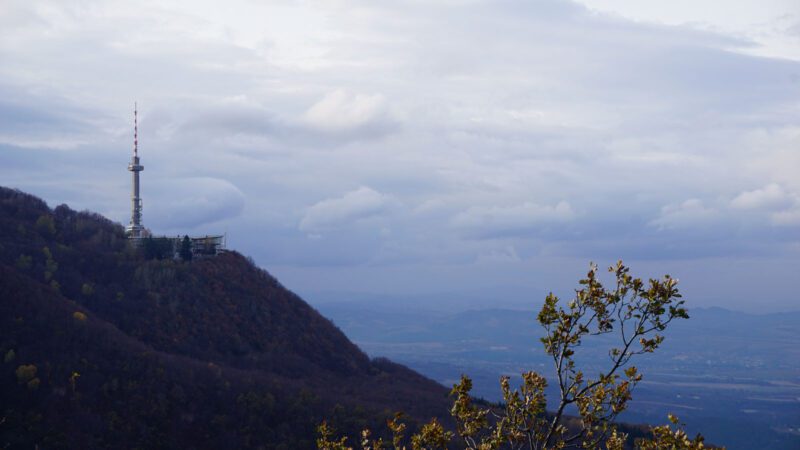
(135, 229)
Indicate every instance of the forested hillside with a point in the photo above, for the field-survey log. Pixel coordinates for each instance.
(103, 348)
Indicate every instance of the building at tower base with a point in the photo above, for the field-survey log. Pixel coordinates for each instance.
(175, 247)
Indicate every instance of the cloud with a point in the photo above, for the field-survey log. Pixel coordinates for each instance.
(448, 127)
(781, 206)
(353, 206)
(691, 213)
(523, 219)
(342, 111)
(770, 197)
(789, 217)
(37, 120)
(225, 119)
(495, 256)
(183, 204)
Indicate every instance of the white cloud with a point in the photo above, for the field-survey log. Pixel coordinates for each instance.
(181, 204)
(689, 214)
(767, 22)
(771, 196)
(342, 110)
(353, 206)
(789, 217)
(782, 207)
(512, 220)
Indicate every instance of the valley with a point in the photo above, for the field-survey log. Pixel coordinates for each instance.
(730, 375)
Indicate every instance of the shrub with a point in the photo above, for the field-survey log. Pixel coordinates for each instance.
(34, 384)
(87, 289)
(25, 373)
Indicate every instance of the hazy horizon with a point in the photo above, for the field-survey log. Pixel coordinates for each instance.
(419, 148)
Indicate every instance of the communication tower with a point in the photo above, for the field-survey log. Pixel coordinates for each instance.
(135, 229)
(162, 246)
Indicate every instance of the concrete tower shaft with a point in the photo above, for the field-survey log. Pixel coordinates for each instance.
(135, 228)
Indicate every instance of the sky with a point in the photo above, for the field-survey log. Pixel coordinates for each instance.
(461, 153)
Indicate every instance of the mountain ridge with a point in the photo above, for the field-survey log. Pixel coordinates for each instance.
(103, 348)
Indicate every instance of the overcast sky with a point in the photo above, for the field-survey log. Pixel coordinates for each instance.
(475, 150)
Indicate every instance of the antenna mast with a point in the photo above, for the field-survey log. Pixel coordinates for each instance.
(135, 229)
(135, 129)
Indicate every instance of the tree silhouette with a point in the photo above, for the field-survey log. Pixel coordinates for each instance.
(186, 249)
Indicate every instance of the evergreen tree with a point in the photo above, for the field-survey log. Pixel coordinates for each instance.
(186, 249)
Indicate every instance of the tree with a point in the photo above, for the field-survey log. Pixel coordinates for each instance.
(158, 248)
(45, 226)
(186, 249)
(50, 264)
(636, 312)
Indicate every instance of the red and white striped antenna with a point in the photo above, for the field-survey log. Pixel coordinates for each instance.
(135, 130)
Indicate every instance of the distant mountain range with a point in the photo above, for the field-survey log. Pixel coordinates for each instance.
(102, 348)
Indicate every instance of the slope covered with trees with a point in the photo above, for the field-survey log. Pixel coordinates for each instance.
(102, 347)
